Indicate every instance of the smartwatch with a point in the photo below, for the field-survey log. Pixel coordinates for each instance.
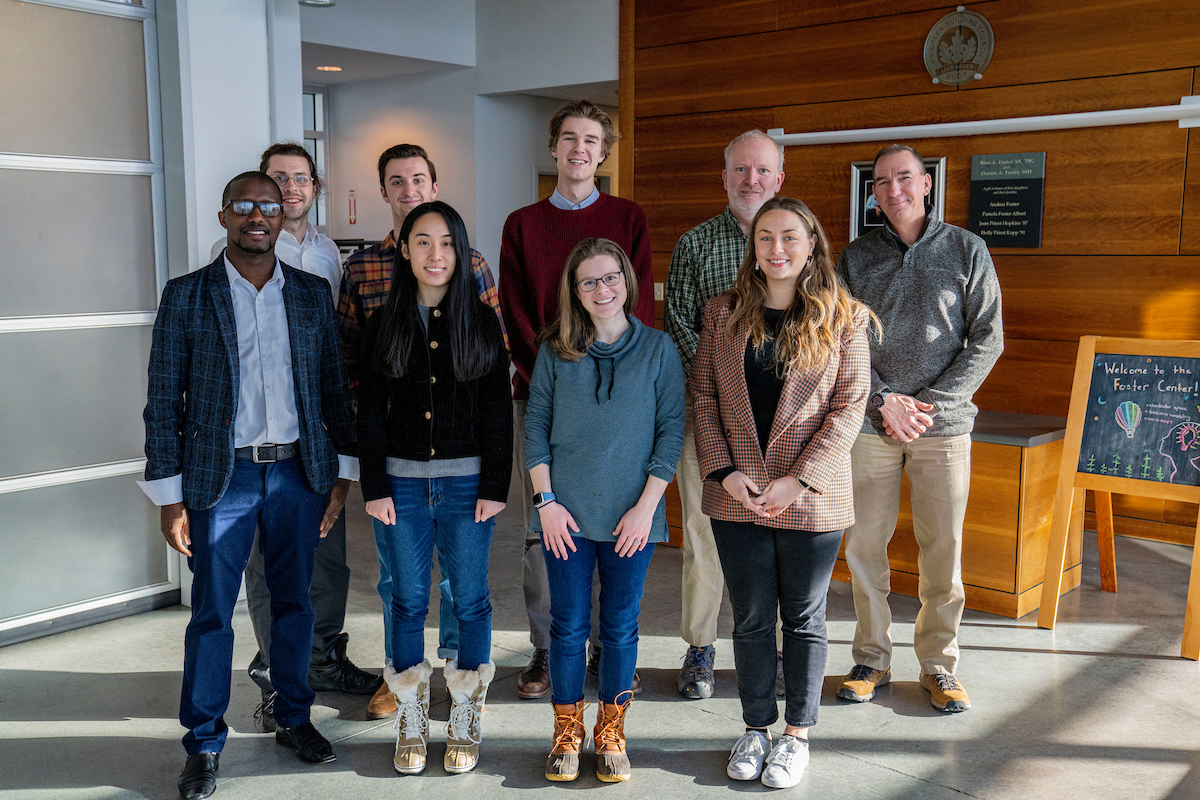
(543, 498)
(878, 398)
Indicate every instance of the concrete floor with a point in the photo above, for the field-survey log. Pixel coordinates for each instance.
(1102, 707)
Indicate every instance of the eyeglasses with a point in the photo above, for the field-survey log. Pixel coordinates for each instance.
(244, 208)
(590, 285)
(299, 180)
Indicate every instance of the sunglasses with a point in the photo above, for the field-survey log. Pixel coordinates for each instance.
(244, 208)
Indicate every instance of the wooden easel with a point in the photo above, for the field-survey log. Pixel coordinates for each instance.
(1072, 484)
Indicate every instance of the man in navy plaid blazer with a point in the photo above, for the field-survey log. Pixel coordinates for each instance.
(247, 413)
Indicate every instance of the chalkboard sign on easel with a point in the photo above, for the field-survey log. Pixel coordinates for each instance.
(1133, 428)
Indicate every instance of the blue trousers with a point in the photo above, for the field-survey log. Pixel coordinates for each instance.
(438, 512)
(275, 499)
(622, 581)
(447, 624)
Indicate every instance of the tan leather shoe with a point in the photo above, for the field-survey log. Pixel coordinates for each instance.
(859, 686)
(570, 735)
(382, 704)
(945, 692)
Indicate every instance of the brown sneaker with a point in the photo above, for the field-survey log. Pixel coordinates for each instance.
(534, 680)
(860, 684)
(570, 735)
(945, 692)
(382, 704)
(612, 762)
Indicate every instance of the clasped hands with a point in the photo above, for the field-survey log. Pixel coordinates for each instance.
(771, 502)
(904, 417)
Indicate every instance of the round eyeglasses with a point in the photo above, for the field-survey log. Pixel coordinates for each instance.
(299, 180)
(590, 285)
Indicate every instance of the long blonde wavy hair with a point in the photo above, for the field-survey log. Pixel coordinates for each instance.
(821, 313)
(573, 332)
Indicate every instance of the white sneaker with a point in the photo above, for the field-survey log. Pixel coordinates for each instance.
(785, 765)
(747, 756)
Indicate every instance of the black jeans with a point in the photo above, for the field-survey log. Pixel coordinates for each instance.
(786, 572)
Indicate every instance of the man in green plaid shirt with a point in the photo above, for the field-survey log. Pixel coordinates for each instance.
(704, 265)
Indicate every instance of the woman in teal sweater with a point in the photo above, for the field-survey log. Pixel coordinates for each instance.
(603, 434)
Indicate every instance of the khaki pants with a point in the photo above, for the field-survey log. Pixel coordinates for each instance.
(939, 474)
(703, 580)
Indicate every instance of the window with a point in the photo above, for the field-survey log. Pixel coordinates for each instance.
(318, 147)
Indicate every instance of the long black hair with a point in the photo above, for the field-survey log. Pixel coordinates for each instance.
(475, 353)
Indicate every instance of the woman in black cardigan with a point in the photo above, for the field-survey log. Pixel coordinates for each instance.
(435, 449)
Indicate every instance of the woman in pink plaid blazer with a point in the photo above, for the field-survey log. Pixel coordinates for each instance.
(780, 382)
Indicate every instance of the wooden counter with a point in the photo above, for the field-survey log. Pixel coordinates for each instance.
(1014, 470)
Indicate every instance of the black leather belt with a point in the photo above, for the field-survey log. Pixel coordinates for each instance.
(268, 453)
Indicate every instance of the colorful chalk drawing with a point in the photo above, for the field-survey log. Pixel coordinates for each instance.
(1129, 416)
(1141, 421)
(1179, 442)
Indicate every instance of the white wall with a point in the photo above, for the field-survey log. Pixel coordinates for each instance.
(511, 142)
(435, 110)
(435, 30)
(533, 44)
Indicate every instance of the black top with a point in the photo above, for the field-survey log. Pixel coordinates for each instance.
(763, 383)
(428, 414)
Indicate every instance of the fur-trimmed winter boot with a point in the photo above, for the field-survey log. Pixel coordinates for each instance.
(468, 691)
(612, 762)
(570, 735)
(411, 690)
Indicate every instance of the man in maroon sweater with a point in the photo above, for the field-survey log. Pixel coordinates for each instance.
(537, 240)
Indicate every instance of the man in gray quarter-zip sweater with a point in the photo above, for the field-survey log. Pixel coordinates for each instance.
(935, 291)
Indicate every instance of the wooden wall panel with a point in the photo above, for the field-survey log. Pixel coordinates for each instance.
(804, 13)
(1189, 239)
(662, 22)
(1087, 200)
(990, 102)
(1031, 377)
(1039, 41)
(1065, 297)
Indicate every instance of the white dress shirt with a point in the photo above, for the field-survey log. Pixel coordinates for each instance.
(316, 255)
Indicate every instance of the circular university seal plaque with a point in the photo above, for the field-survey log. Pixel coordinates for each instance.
(959, 47)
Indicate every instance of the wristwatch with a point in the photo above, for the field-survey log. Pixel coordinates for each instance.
(543, 498)
(878, 398)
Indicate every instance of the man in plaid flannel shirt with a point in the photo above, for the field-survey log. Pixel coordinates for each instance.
(407, 178)
(703, 266)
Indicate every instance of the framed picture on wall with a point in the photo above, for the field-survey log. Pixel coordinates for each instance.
(864, 211)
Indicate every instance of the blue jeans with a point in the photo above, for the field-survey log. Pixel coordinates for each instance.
(438, 512)
(622, 581)
(275, 499)
(770, 572)
(447, 624)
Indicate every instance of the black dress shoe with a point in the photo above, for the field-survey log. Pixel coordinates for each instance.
(337, 674)
(308, 743)
(199, 776)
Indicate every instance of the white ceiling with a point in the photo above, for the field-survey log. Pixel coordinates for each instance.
(359, 65)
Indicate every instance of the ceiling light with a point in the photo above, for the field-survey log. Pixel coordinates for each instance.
(318, 3)
(330, 69)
